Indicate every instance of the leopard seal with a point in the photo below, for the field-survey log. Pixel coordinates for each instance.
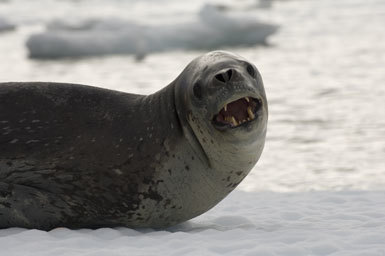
(79, 156)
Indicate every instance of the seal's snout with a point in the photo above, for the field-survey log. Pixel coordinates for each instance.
(225, 76)
(229, 76)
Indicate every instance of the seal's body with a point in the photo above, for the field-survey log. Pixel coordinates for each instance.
(79, 156)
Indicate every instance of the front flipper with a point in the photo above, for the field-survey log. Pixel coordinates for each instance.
(29, 207)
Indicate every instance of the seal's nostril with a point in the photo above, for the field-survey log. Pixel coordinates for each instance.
(221, 78)
(229, 74)
(225, 76)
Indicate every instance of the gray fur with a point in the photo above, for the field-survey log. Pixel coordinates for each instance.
(84, 157)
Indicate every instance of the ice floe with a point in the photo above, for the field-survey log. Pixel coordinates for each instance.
(5, 25)
(344, 223)
(213, 28)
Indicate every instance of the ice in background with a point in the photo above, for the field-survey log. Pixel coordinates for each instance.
(209, 29)
(318, 188)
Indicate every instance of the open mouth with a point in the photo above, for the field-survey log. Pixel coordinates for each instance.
(237, 113)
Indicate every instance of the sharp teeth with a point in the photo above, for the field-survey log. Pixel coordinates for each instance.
(225, 107)
(247, 99)
(251, 114)
(235, 123)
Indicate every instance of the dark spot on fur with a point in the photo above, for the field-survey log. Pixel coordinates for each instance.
(187, 167)
(6, 204)
(152, 194)
(146, 181)
(169, 171)
(192, 158)
(167, 202)
(5, 193)
(239, 173)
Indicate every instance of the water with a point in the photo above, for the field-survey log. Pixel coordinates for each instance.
(323, 73)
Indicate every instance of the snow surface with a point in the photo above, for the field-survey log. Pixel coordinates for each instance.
(246, 223)
(212, 29)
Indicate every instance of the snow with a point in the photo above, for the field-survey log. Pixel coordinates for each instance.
(116, 36)
(245, 223)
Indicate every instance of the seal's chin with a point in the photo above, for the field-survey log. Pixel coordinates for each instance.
(237, 113)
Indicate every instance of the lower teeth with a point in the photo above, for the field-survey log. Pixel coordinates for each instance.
(233, 122)
(250, 112)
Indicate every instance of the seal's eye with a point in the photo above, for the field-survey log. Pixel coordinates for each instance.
(197, 89)
(250, 70)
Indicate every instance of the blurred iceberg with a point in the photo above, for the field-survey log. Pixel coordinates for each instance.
(212, 29)
(6, 25)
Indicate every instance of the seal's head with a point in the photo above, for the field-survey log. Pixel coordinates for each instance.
(223, 107)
